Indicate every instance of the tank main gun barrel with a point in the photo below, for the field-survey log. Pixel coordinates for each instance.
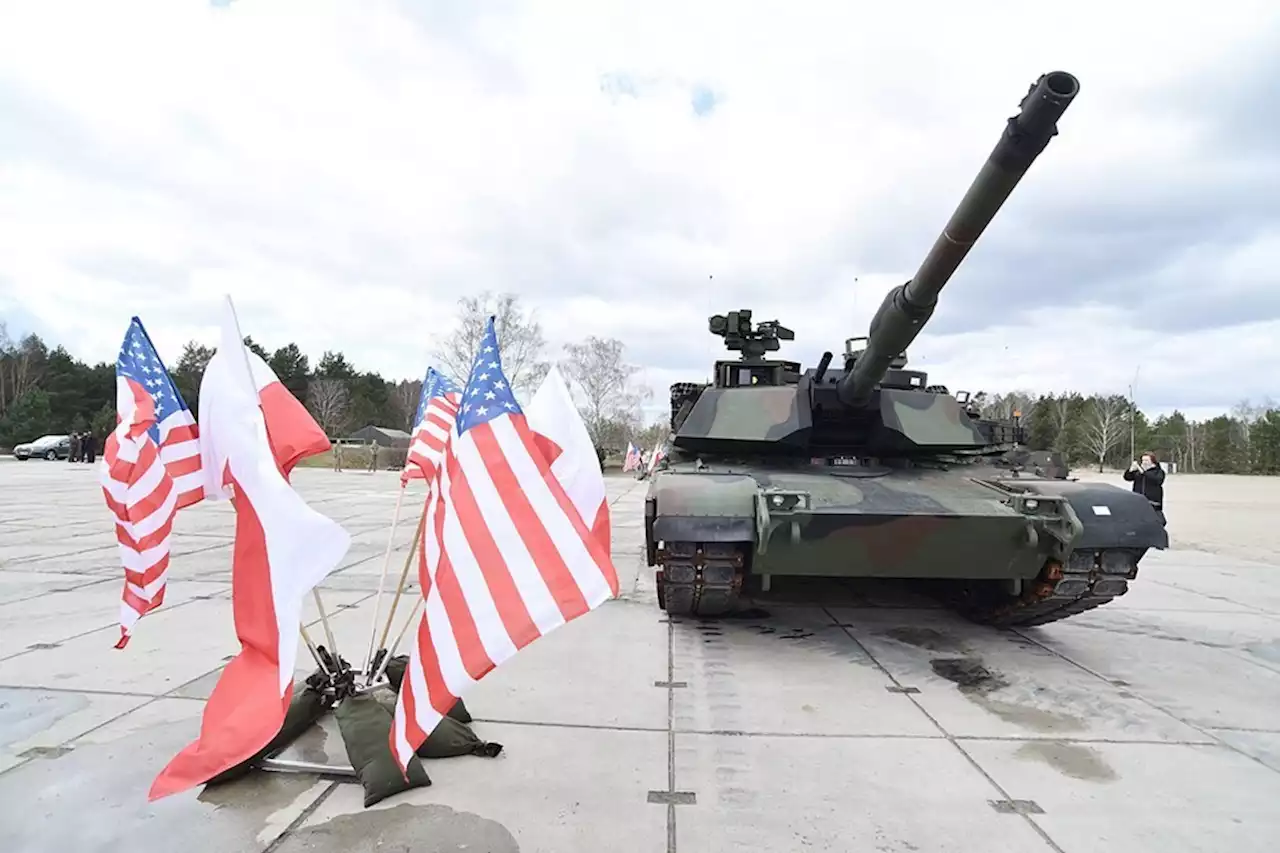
(907, 308)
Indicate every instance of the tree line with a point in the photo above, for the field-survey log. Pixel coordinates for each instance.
(46, 390)
(1108, 431)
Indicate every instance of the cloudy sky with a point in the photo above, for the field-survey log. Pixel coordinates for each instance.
(347, 169)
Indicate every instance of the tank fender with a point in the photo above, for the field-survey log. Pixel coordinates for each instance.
(1112, 517)
(700, 507)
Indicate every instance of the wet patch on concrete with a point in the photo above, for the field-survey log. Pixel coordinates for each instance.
(1270, 652)
(747, 613)
(930, 639)
(1070, 759)
(44, 752)
(93, 799)
(979, 683)
(26, 713)
(405, 827)
(968, 674)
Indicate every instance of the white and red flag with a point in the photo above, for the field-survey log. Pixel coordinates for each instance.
(437, 412)
(291, 430)
(506, 556)
(567, 445)
(659, 451)
(150, 469)
(283, 549)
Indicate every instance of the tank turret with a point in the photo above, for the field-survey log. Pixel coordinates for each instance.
(907, 308)
(870, 404)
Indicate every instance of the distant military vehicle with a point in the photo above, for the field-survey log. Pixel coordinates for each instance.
(862, 471)
(1040, 463)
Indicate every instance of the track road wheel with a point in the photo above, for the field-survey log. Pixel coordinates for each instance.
(1087, 580)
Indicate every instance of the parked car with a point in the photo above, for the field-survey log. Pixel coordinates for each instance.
(45, 447)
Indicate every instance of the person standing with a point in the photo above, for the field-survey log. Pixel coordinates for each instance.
(73, 454)
(88, 447)
(1148, 480)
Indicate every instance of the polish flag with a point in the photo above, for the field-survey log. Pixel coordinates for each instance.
(292, 431)
(563, 439)
(283, 549)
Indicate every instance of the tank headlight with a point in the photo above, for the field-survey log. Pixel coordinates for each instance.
(786, 501)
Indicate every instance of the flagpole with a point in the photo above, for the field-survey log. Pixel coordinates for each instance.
(311, 647)
(382, 667)
(382, 582)
(408, 559)
(315, 593)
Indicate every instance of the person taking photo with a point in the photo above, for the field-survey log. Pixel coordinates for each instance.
(1148, 480)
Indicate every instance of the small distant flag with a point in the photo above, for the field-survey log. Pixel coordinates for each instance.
(632, 460)
(151, 469)
(659, 451)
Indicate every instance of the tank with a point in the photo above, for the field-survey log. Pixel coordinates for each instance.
(861, 469)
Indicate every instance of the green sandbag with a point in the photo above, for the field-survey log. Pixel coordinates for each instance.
(305, 709)
(395, 670)
(366, 730)
(395, 674)
(460, 713)
(450, 738)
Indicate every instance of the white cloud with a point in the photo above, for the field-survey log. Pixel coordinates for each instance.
(346, 170)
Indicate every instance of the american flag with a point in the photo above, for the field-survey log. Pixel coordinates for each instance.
(505, 557)
(632, 460)
(437, 412)
(151, 469)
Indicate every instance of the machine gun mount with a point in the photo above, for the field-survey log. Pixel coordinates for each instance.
(736, 329)
(753, 340)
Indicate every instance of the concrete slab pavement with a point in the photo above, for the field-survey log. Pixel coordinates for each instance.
(870, 719)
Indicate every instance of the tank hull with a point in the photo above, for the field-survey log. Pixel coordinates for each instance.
(986, 538)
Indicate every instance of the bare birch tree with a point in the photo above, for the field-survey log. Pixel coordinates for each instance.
(598, 371)
(1106, 422)
(329, 402)
(519, 338)
(1060, 411)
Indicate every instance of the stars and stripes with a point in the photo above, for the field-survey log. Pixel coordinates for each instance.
(151, 468)
(504, 559)
(437, 413)
(632, 460)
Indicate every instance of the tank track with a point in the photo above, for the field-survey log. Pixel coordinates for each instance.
(700, 578)
(705, 579)
(1085, 582)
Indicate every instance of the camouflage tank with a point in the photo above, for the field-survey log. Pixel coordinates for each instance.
(865, 471)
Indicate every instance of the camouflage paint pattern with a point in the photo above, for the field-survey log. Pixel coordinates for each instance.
(770, 413)
(1041, 463)
(928, 420)
(775, 414)
(968, 522)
